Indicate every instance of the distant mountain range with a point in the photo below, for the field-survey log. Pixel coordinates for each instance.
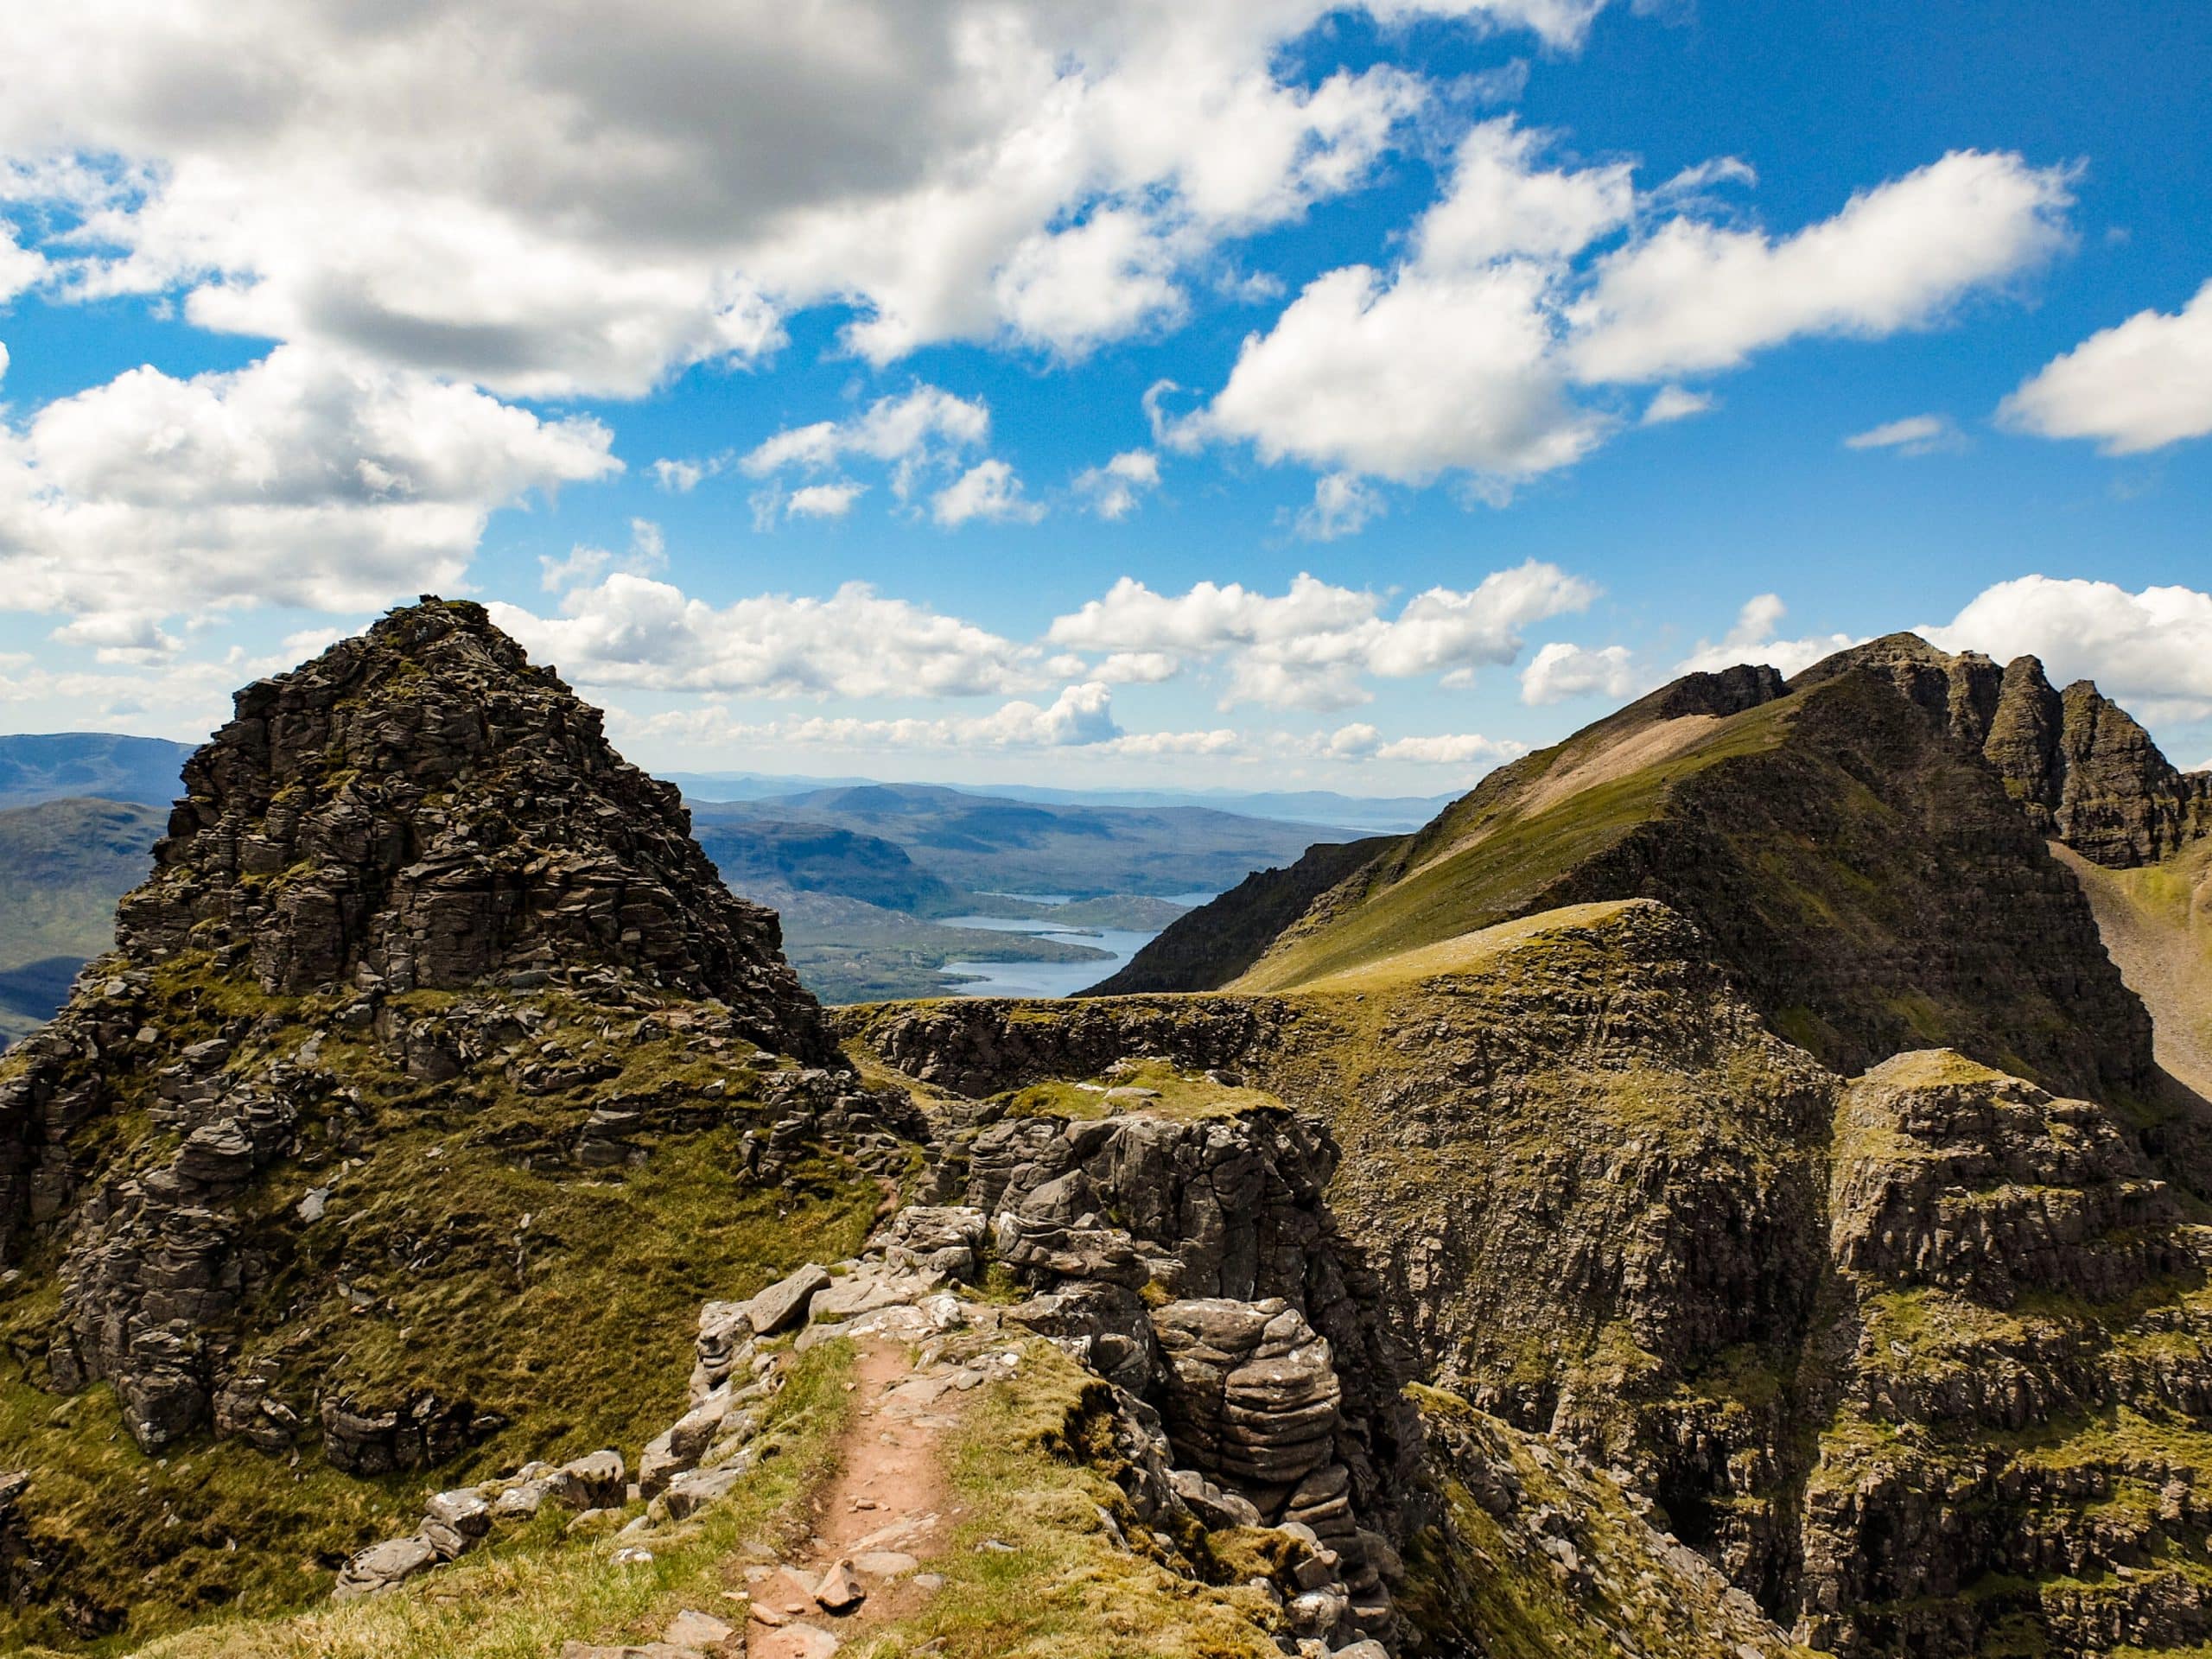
(1366, 812)
(63, 864)
(864, 873)
(104, 766)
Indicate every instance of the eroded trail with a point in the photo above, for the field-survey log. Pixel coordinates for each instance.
(888, 1510)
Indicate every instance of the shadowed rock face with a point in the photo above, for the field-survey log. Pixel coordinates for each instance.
(421, 808)
(1215, 943)
(2085, 771)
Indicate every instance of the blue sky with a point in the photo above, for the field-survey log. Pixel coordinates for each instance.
(1104, 394)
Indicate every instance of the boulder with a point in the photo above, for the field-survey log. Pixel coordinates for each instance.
(382, 1566)
(783, 1302)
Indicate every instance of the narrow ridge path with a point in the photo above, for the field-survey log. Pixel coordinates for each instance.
(888, 1509)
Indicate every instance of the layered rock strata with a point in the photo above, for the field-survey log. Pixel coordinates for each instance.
(2083, 770)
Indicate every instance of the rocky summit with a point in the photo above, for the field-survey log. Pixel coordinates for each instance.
(1731, 1187)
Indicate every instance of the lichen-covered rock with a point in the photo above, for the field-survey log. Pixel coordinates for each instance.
(422, 807)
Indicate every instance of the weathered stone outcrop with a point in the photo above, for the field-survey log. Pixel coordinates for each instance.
(2079, 765)
(1905, 1358)
(412, 865)
(2015, 1383)
(423, 808)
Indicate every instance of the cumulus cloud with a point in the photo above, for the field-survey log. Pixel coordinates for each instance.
(663, 187)
(2151, 651)
(1114, 490)
(988, 491)
(300, 480)
(648, 553)
(1752, 640)
(1528, 288)
(1561, 670)
(1310, 647)
(19, 266)
(2141, 384)
(1080, 717)
(1363, 742)
(633, 631)
(912, 426)
(1914, 435)
(825, 501)
(1694, 296)
(1343, 506)
(682, 477)
(1675, 404)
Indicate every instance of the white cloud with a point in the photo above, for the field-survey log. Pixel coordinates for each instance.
(648, 554)
(1452, 749)
(2150, 651)
(1310, 646)
(1140, 667)
(1114, 490)
(1474, 354)
(1694, 296)
(1081, 717)
(1343, 506)
(682, 477)
(299, 479)
(1562, 671)
(825, 501)
(1363, 742)
(630, 630)
(915, 426)
(2141, 384)
(988, 491)
(20, 268)
(1751, 640)
(662, 186)
(1675, 404)
(1500, 204)
(1407, 378)
(1914, 435)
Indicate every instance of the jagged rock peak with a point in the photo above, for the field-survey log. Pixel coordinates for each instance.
(2082, 768)
(421, 807)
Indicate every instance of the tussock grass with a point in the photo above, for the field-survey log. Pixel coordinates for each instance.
(522, 1600)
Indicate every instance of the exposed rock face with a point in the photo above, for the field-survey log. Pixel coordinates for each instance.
(2022, 1359)
(418, 810)
(1268, 1366)
(422, 807)
(2080, 765)
(1210, 946)
(1917, 1361)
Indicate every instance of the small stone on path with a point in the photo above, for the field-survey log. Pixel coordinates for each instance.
(839, 1591)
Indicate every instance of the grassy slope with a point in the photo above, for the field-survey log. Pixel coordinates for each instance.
(524, 1597)
(63, 864)
(1484, 860)
(1034, 1461)
(2157, 922)
(561, 1300)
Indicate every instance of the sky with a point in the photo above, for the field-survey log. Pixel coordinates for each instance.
(1096, 393)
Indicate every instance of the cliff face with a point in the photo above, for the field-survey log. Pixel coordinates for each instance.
(1868, 883)
(2081, 767)
(422, 807)
(1916, 1359)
